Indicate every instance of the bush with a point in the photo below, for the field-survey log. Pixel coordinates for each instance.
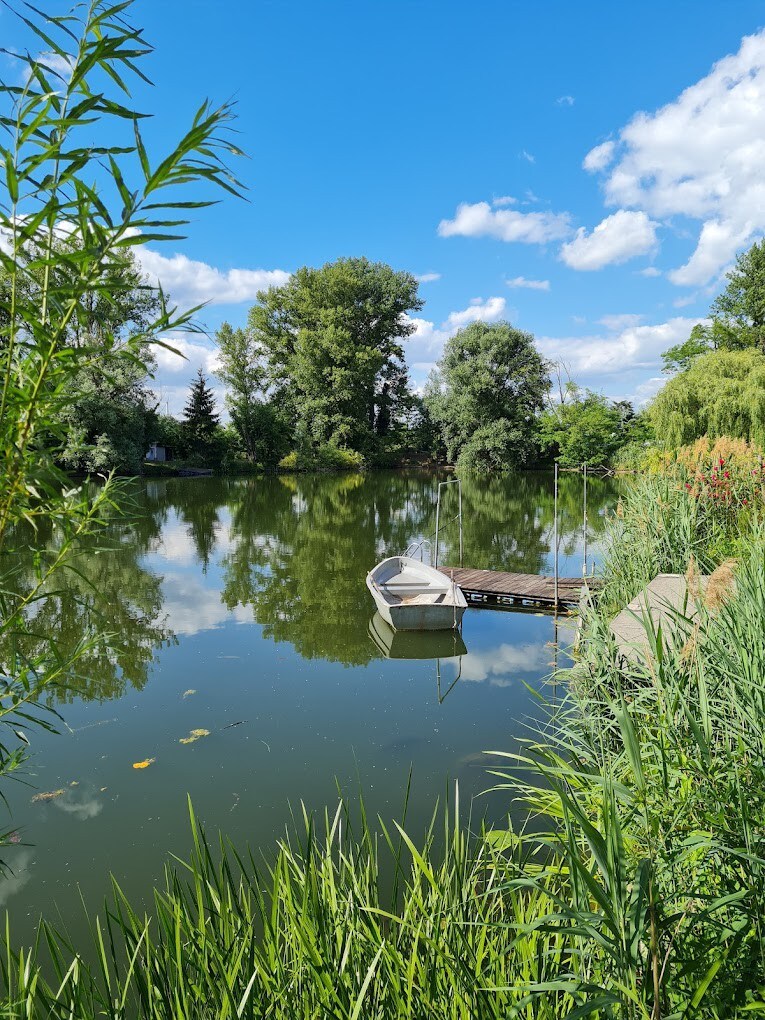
(703, 454)
(326, 457)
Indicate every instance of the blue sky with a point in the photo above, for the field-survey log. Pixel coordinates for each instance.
(587, 171)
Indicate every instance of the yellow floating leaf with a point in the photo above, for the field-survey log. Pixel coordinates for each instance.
(144, 764)
(74, 782)
(200, 733)
(51, 795)
(188, 692)
(187, 740)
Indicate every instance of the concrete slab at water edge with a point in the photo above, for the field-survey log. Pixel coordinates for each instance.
(662, 601)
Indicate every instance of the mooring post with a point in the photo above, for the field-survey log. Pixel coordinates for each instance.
(584, 523)
(555, 531)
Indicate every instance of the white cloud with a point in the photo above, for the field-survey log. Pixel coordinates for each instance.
(633, 347)
(617, 238)
(427, 277)
(504, 200)
(521, 281)
(477, 311)
(647, 390)
(498, 662)
(701, 157)
(650, 271)
(527, 156)
(617, 322)
(192, 283)
(190, 356)
(426, 337)
(599, 157)
(478, 219)
(190, 607)
(17, 874)
(718, 242)
(565, 100)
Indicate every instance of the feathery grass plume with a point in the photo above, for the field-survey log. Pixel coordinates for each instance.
(692, 581)
(720, 584)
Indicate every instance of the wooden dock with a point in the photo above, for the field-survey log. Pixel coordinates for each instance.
(499, 588)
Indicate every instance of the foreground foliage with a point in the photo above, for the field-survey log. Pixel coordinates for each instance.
(65, 284)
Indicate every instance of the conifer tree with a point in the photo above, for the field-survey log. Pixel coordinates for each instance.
(200, 420)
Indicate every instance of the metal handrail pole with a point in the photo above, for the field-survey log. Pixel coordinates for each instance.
(584, 523)
(555, 530)
(459, 491)
(438, 514)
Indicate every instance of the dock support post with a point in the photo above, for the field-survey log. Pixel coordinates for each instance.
(584, 523)
(555, 531)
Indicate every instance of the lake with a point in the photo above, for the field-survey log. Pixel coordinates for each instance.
(239, 607)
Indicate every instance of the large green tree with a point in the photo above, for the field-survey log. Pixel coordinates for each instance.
(333, 342)
(485, 395)
(737, 315)
(721, 394)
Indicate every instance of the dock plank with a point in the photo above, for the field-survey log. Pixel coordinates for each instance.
(503, 587)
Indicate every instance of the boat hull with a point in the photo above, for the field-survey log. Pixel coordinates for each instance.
(412, 596)
(392, 644)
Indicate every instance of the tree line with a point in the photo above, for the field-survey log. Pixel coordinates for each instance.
(317, 378)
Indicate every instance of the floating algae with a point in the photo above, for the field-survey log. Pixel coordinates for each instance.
(194, 735)
(144, 764)
(51, 795)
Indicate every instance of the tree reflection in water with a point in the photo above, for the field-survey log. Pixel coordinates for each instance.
(293, 551)
(302, 544)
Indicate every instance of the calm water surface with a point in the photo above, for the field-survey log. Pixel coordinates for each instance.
(240, 608)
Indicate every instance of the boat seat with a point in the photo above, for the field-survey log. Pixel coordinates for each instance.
(413, 588)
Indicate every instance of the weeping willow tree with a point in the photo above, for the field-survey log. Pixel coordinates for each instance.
(78, 189)
(721, 394)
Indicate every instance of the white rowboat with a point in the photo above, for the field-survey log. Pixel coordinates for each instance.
(410, 595)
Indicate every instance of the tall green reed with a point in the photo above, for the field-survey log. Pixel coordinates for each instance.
(313, 934)
(652, 788)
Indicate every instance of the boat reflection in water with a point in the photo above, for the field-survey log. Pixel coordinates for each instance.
(409, 644)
